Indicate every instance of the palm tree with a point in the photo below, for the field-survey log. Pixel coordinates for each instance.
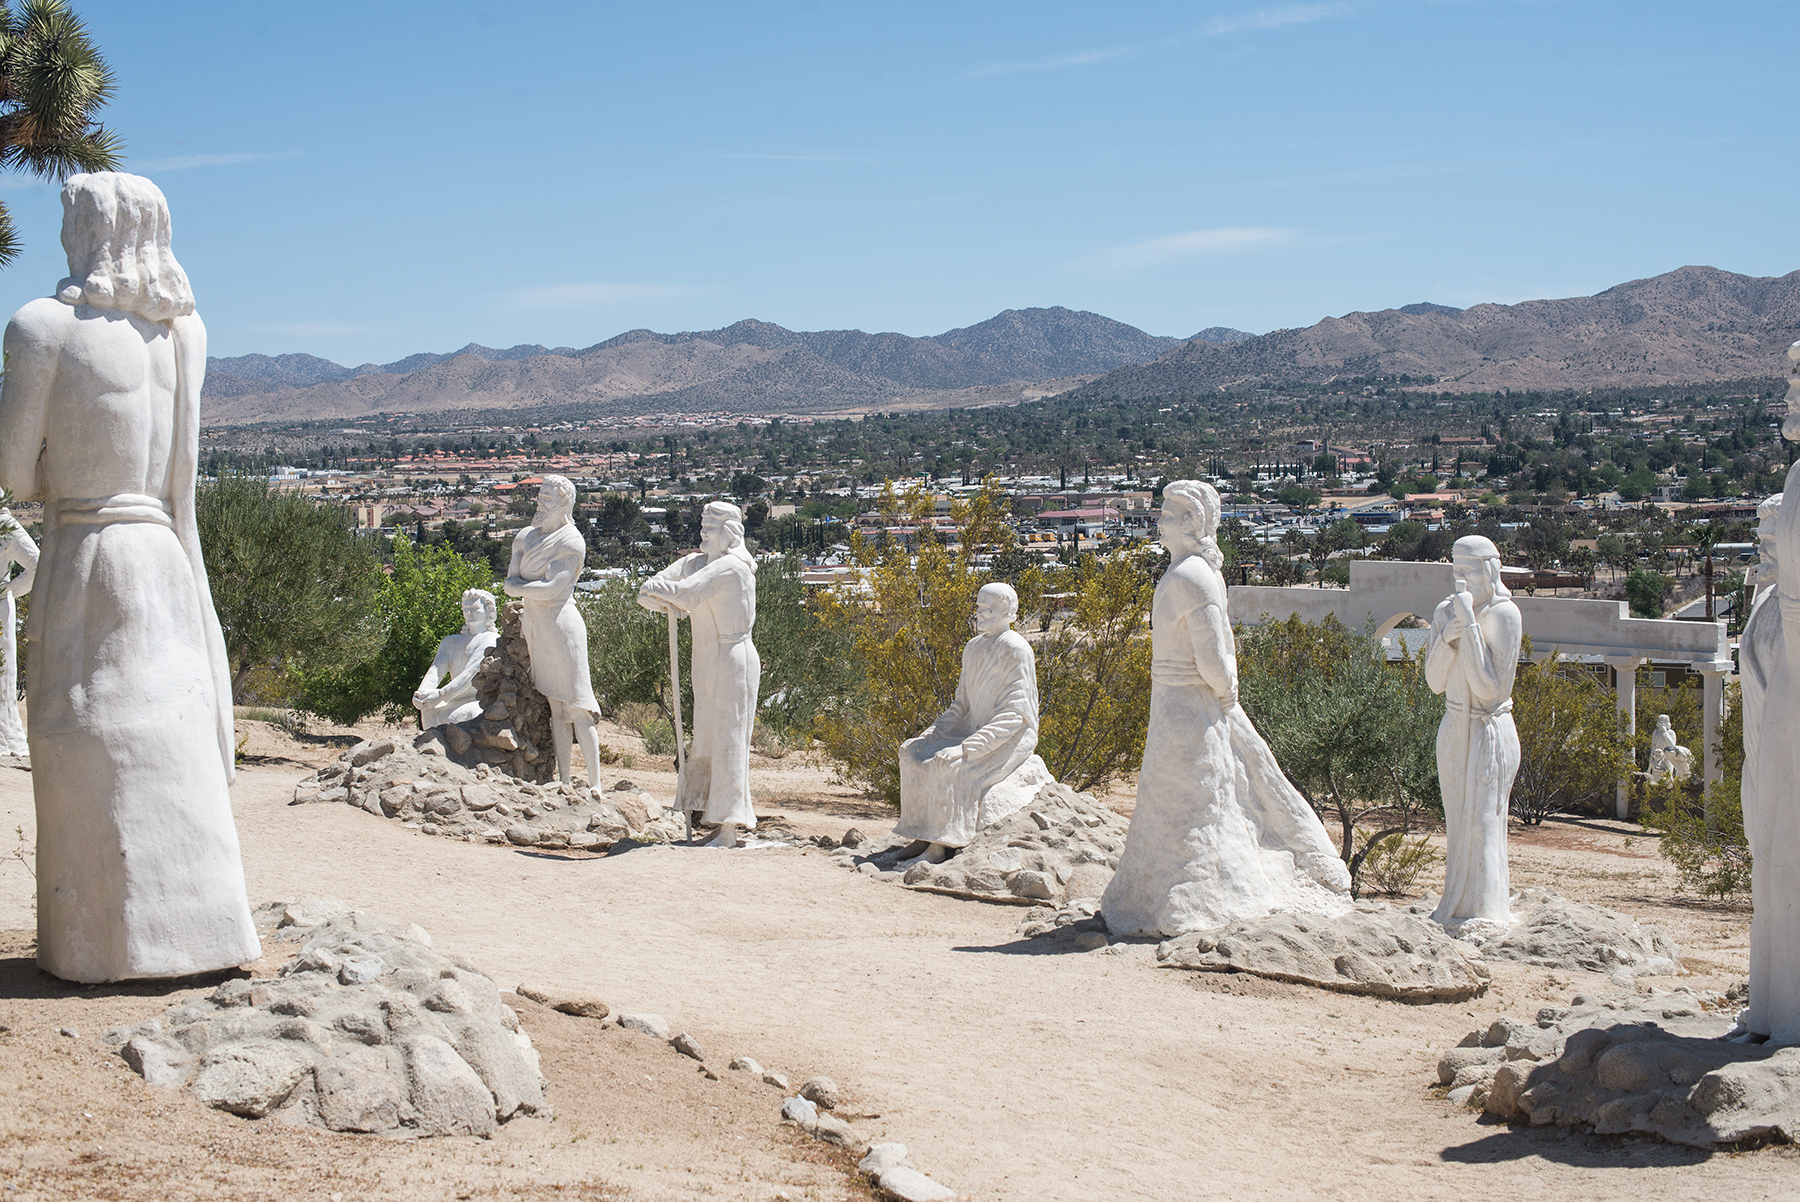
(52, 83)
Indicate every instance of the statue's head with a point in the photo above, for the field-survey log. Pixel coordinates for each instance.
(1662, 722)
(1190, 521)
(480, 612)
(1476, 562)
(996, 607)
(116, 234)
(722, 530)
(556, 500)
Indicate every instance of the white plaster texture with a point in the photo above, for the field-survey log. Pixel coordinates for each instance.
(21, 550)
(459, 656)
(1771, 675)
(1471, 657)
(1219, 833)
(975, 766)
(129, 696)
(547, 558)
(715, 588)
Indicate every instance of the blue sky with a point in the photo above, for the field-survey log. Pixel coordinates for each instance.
(367, 181)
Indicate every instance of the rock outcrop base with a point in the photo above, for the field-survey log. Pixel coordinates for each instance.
(366, 1030)
(1373, 949)
(1654, 1064)
(1552, 931)
(1062, 847)
(413, 781)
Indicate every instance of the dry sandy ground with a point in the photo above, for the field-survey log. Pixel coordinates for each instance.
(1012, 1074)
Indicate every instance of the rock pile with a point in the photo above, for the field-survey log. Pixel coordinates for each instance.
(1552, 931)
(1373, 949)
(513, 732)
(1654, 1063)
(413, 781)
(366, 1030)
(1063, 846)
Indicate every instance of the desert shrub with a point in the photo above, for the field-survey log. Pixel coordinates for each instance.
(1395, 863)
(651, 726)
(1572, 747)
(1356, 735)
(1703, 831)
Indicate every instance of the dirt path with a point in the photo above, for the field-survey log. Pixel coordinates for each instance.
(1011, 1074)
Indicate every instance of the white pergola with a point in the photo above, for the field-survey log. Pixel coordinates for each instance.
(1391, 592)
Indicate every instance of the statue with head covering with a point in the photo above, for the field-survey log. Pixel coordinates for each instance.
(715, 587)
(129, 698)
(1219, 833)
(1470, 657)
(975, 765)
(547, 558)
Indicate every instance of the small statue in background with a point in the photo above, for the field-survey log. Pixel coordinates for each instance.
(547, 558)
(1668, 759)
(459, 657)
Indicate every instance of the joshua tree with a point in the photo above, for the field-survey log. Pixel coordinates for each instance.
(52, 83)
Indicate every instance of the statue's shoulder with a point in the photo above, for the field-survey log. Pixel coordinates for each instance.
(45, 315)
(1189, 585)
(1016, 647)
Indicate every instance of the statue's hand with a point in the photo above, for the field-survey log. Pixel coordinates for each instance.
(1465, 608)
(950, 755)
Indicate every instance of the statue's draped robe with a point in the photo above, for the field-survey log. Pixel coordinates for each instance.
(130, 725)
(1219, 833)
(1771, 770)
(720, 598)
(1478, 757)
(553, 628)
(994, 719)
(21, 550)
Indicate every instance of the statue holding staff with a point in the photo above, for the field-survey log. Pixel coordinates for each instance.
(715, 587)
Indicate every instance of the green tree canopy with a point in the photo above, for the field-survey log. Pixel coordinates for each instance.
(52, 84)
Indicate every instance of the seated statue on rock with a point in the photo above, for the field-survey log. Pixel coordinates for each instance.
(1669, 760)
(459, 657)
(975, 765)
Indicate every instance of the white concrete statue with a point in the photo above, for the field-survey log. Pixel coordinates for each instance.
(1668, 758)
(1219, 833)
(1471, 656)
(18, 549)
(716, 588)
(547, 558)
(1770, 662)
(129, 711)
(459, 657)
(974, 766)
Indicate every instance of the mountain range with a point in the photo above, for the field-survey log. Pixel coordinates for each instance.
(751, 366)
(1688, 326)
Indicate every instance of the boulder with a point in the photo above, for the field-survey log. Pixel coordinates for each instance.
(649, 1024)
(366, 1030)
(1372, 950)
(822, 1092)
(580, 1005)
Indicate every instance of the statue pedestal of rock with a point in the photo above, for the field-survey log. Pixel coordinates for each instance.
(715, 588)
(18, 549)
(138, 871)
(1470, 657)
(975, 766)
(1219, 834)
(511, 731)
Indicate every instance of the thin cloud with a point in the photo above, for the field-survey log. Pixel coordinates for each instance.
(311, 329)
(791, 158)
(553, 296)
(1156, 252)
(184, 161)
(1260, 19)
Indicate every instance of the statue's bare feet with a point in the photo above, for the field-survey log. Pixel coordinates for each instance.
(933, 853)
(937, 853)
(727, 836)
